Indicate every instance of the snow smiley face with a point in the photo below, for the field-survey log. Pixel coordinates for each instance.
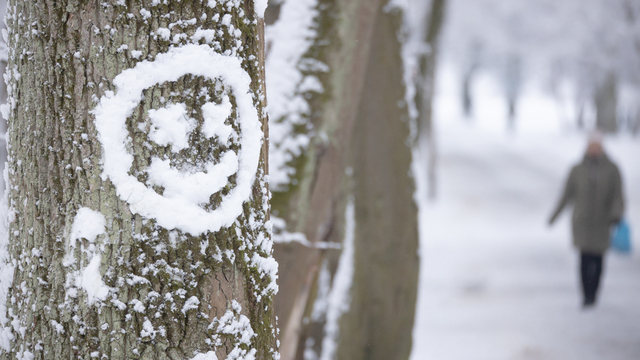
(177, 194)
(171, 126)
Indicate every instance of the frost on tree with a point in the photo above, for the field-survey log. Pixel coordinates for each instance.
(137, 203)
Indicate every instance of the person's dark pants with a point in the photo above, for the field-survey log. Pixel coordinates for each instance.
(590, 270)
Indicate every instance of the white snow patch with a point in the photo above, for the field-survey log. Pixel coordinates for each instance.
(238, 325)
(226, 20)
(195, 188)
(211, 355)
(6, 270)
(214, 118)
(164, 33)
(267, 266)
(91, 281)
(288, 40)
(321, 303)
(207, 34)
(119, 304)
(147, 329)
(138, 306)
(171, 125)
(136, 54)
(190, 304)
(87, 224)
(311, 83)
(24, 355)
(260, 6)
(180, 207)
(339, 298)
(282, 236)
(145, 14)
(57, 326)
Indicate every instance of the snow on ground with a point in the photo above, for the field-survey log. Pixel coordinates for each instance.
(496, 282)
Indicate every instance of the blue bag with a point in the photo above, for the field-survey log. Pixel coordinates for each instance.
(621, 238)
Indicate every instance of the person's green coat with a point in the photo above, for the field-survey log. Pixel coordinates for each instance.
(594, 187)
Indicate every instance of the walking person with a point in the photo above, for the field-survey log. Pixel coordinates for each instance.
(594, 187)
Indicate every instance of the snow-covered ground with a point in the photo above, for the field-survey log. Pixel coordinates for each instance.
(496, 282)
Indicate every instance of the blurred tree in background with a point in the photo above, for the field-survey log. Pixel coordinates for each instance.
(343, 190)
(592, 45)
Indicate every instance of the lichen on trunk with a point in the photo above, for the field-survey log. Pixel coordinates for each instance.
(155, 291)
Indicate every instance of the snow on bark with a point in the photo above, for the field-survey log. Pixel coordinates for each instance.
(260, 6)
(6, 271)
(88, 225)
(288, 81)
(280, 235)
(411, 36)
(206, 356)
(155, 121)
(338, 299)
(179, 206)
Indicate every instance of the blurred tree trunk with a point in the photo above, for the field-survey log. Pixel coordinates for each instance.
(424, 94)
(3, 96)
(272, 13)
(607, 105)
(580, 116)
(635, 122)
(513, 83)
(379, 323)
(360, 153)
(471, 68)
(467, 101)
(155, 292)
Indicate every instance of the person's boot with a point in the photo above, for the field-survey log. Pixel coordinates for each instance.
(588, 302)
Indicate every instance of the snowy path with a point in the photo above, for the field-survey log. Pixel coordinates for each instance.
(496, 282)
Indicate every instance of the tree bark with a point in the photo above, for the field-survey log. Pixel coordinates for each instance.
(358, 109)
(3, 97)
(316, 205)
(164, 291)
(379, 322)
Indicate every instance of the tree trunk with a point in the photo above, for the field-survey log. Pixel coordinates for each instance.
(3, 97)
(379, 322)
(358, 43)
(512, 81)
(467, 100)
(635, 124)
(606, 105)
(315, 205)
(114, 255)
(471, 68)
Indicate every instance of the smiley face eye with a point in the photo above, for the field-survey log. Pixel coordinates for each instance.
(171, 125)
(214, 120)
